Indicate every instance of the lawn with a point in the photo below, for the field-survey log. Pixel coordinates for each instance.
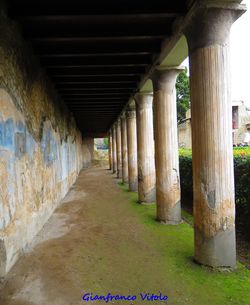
(176, 245)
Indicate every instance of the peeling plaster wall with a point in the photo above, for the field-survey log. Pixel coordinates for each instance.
(41, 150)
(88, 151)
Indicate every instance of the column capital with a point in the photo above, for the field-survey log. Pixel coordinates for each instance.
(164, 77)
(123, 115)
(209, 23)
(118, 121)
(144, 99)
(131, 112)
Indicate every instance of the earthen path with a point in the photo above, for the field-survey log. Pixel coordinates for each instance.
(96, 242)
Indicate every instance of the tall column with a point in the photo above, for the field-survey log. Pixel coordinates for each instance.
(114, 148)
(132, 149)
(118, 149)
(213, 176)
(124, 149)
(110, 149)
(166, 146)
(145, 147)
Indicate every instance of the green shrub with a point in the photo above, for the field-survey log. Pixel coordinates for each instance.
(242, 194)
(242, 185)
(241, 151)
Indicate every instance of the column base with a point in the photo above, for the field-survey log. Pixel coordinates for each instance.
(133, 186)
(146, 203)
(169, 222)
(148, 198)
(119, 175)
(167, 215)
(217, 251)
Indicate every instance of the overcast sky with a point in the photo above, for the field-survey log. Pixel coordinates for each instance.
(240, 57)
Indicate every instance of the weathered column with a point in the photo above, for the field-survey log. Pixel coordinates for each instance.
(124, 149)
(132, 149)
(114, 148)
(166, 146)
(213, 177)
(110, 149)
(145, 147)
(118, 149)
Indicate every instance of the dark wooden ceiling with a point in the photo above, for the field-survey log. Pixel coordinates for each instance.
(96, 52)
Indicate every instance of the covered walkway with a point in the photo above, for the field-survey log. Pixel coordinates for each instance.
(73, 71)
(101, 240)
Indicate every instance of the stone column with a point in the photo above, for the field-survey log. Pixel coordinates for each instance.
(124, 149)
(114, 148)
(213, 175)
(166, 146)
(145, 147)
(118, 149)
(132, 149)
(110, 150)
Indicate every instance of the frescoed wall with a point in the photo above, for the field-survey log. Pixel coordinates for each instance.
(41, 149)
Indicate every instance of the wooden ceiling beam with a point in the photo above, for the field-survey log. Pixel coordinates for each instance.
(94, 7)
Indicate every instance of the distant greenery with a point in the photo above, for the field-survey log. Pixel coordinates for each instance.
(242, 151)
(185, 152)
(182, 95)
(242, 184)
(237, 151)
(106, 142)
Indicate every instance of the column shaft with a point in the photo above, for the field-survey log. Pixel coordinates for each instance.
(114, 148)
(124, 149)
(132, 150)
(110, 150)
(166, 146)
(145, 148)
(213, 176)
(118, 149)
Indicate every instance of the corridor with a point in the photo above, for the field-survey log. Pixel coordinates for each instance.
(100, 240)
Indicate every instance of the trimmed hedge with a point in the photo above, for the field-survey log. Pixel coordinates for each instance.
(242, 185)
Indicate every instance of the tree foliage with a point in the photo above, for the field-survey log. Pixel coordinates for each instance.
(182, 95)
(106, 142)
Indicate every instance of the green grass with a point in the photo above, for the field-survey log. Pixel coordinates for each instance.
(187, 217)
(176, 246)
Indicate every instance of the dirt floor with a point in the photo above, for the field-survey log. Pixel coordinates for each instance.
(100, 240)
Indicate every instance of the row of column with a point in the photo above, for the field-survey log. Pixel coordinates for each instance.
(146, 156)
(145, 145)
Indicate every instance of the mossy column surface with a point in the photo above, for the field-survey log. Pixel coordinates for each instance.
(145, 147)
(110, 149)
(118, 149)
(114, 148)
(213, 178)
(132, 148)
(166, 145)
(124, 149)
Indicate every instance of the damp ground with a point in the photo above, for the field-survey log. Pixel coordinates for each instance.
(100, 240)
